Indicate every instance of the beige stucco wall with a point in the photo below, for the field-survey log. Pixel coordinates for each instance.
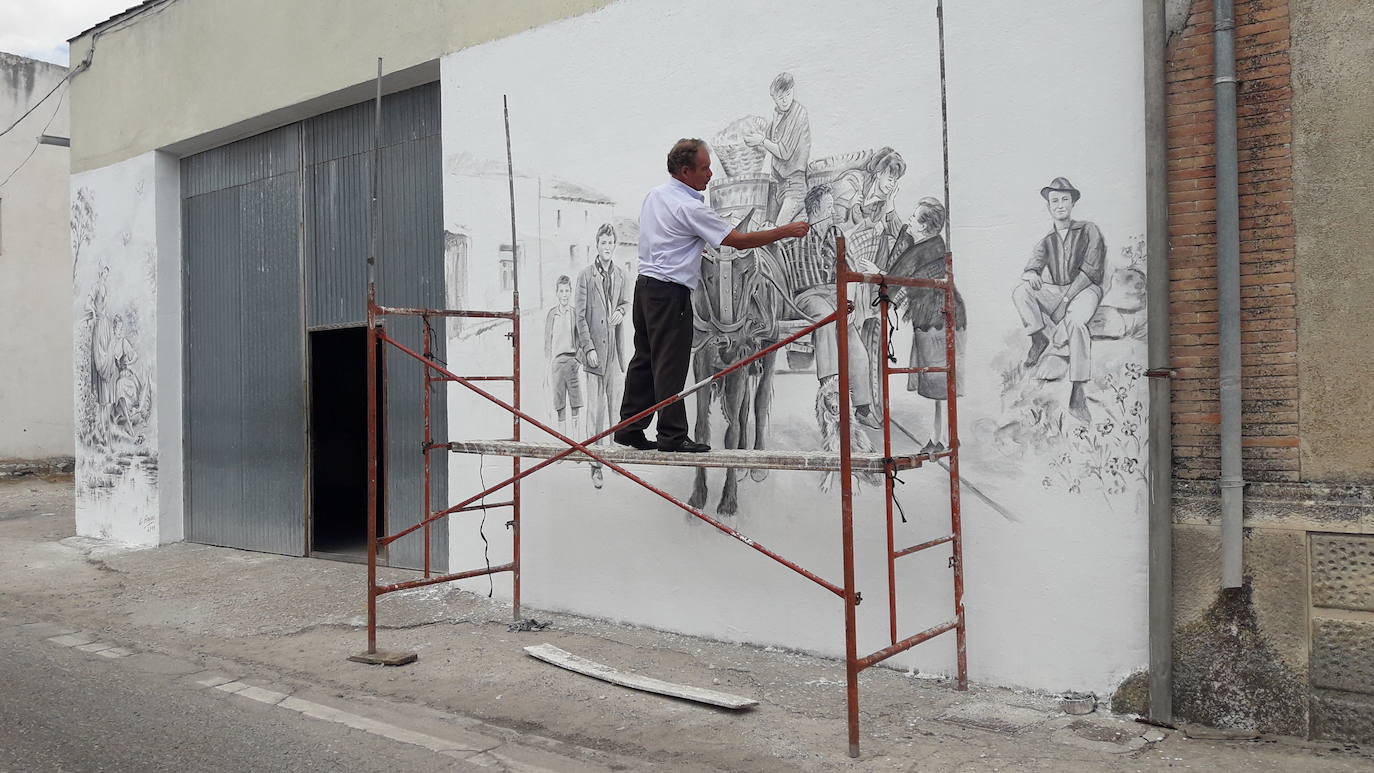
(35, 267)
(1333, 153)
(261, 56)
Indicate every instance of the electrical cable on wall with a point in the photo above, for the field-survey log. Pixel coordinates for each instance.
(36, 143)
(72, 73)
(482, 526)
(37, 104)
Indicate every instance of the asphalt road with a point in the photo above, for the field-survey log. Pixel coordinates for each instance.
(62, 709)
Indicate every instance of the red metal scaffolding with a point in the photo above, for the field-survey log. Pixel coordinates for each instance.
(846, 462)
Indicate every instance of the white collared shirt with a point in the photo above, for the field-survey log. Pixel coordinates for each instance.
(675, 225)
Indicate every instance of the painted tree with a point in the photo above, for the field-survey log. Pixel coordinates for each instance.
(83, 223)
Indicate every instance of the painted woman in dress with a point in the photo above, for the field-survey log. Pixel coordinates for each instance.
(924, 258)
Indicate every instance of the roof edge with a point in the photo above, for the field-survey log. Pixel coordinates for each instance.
(127, 13)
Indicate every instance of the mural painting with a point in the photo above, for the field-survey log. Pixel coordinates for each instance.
(114, 267)
(1050, 368)
(750, 299)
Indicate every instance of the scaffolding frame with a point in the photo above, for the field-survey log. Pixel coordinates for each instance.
(846, 462)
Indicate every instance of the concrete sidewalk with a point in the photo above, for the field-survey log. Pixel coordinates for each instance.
(279, 630)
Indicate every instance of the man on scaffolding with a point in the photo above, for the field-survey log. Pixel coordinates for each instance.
(675, 225)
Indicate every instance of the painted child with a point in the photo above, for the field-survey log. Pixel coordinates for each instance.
(560, 348)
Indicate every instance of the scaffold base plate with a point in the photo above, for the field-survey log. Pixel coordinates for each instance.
(384, 658)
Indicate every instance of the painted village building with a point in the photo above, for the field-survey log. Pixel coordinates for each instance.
(220, 279)
(35, 267)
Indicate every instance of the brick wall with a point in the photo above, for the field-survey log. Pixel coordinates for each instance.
(1269, 345)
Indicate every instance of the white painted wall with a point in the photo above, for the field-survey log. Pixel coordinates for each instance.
(163, 60)
(1056, 594)
(35, 265)
(127, 306)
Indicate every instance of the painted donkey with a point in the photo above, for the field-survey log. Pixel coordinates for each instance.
(736, 309)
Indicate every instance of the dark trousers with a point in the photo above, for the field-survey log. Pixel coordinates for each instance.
(663, 355)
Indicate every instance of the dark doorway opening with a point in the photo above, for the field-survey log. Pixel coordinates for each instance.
(338, 445)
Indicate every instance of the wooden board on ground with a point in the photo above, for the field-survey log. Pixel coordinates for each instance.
(817, 461)
(551, 654)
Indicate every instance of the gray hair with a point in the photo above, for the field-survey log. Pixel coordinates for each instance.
(684, 154)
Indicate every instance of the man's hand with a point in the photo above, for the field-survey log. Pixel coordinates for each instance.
(748, 241)
(592, 359)
(869, 267)
(617, 316)
(753, 140)
(1032, 278)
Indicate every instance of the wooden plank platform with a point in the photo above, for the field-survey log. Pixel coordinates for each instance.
(817, 461)
(551, 654)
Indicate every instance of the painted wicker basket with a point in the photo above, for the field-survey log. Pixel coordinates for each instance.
(737, 158)
(740, 160)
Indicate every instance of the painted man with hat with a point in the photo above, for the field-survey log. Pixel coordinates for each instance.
(1061, 288)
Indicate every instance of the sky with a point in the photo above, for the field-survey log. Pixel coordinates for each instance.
(39, 29)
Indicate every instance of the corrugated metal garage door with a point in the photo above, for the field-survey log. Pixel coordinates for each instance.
(337, 178)
(245, 408)
(276, 234)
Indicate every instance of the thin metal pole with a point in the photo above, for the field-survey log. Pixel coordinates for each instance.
(944, 120)
(427, 448)
(372, 343)
(515, 370)
(851, 649)
(1232, 480)
(1157, 316)
(888, 483)
(951, 378)
(955, 516)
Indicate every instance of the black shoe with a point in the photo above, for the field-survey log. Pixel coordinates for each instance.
(635, 440)
(865, 417)
(685, 446)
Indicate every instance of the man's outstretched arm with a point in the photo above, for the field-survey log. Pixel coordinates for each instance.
(748, 241)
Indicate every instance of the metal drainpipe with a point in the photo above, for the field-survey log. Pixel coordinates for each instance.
(1228, 292)
(1157, 277)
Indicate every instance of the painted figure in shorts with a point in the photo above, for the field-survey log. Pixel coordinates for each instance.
(560, 349)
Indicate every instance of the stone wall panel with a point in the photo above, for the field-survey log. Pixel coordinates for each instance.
(1343, 571)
